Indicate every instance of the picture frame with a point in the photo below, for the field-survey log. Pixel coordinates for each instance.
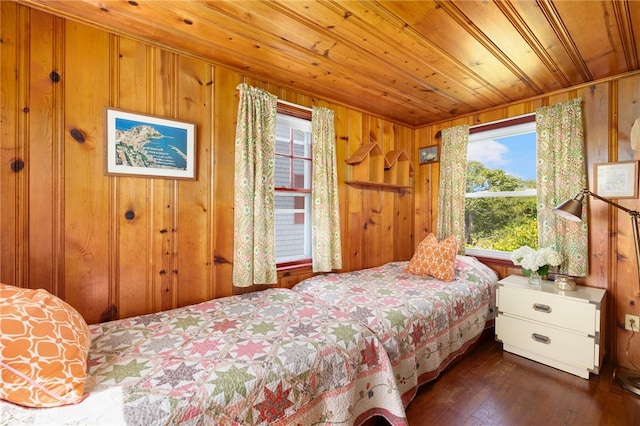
(147, 145)
(616, 180)
(429, 154)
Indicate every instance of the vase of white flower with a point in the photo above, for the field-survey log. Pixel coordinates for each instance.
(535, 263)
(535, 278)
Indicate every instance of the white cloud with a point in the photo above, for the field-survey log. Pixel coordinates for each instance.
(490, 153)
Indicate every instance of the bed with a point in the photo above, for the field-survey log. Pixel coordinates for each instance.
(423, 323)
(269, 357)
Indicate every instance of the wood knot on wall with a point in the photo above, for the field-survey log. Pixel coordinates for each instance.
(220, 259)
(17, 165)
(109, 314)
(78, 135)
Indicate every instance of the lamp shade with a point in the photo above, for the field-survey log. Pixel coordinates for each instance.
(570, 209)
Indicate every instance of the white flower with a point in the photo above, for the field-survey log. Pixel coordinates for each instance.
(521, 253)
(533, 260)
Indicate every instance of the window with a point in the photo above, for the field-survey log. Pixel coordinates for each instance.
(293, 189)
(500, 200)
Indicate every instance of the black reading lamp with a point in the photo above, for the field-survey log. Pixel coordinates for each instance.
(572, 210)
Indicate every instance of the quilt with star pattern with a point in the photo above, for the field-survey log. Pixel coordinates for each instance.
(422, 322)
(272, 357)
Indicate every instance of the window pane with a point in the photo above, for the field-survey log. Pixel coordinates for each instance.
(292, 216)
(500, 208)
(501, 223)
(283, 140)
(301, 174)
(301, 143)
(283, 172)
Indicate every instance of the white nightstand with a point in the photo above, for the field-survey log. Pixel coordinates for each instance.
(564, 330)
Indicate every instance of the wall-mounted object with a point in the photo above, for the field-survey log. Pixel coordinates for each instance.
(616, 180)
(635, 135)
(145, 145)
(368, 163)
(429, 154)
(372, 169)
(399, 169)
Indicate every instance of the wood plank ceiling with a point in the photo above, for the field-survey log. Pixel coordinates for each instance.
(412, 62)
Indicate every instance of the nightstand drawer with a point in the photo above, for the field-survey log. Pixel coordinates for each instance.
(568, 313)
(567, 347)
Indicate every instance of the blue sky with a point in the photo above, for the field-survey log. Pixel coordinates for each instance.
(516, 155)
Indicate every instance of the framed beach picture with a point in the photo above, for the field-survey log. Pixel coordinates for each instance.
(428, 155)
(145, 145)
(617, 180)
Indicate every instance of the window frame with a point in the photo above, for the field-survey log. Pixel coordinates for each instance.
(291, 114)
(494, 129)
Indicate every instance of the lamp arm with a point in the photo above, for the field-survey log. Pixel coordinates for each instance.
(633, 213)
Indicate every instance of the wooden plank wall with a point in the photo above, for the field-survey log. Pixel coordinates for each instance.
(609, 109)
(63, 221)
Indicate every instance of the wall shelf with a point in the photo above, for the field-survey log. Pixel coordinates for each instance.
(398, 169)
(372, 169)
(376, 185)
(368, 163)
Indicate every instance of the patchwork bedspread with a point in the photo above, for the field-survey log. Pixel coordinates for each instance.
(423, 323)
(269, 357)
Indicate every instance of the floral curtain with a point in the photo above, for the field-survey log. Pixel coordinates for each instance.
(325, 211)
(453, 166)
(562, 175)
(254, 227)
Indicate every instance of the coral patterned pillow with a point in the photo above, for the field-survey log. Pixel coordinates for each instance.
(434, 258)
(43, 349)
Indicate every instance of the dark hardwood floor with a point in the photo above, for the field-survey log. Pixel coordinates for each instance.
(492, 387)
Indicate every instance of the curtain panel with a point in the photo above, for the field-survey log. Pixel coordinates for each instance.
(325, 210)
(254, 224)
(561, 175)
(453, 167)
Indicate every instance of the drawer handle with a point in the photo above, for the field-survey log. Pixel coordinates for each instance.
(541, 339)
(542, 308)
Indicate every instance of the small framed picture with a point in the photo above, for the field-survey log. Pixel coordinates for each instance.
(617, 180)
(146, 145)
(428, 155)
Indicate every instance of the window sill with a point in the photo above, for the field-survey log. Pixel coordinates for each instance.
(501, 258)
(288, 266)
